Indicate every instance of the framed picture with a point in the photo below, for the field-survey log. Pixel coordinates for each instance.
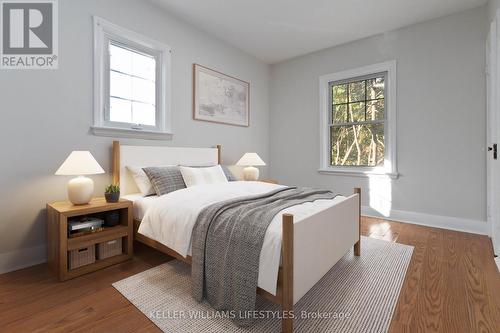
(220, 98)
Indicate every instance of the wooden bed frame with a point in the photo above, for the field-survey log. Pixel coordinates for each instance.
(285, 284)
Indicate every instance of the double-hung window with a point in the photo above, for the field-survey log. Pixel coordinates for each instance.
(131, 85)
(358, 121)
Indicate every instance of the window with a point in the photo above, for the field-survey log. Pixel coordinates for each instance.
(132, 86)
(357, 135)
(358, 121)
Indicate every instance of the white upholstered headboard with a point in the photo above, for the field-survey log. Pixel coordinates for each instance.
(144, 156)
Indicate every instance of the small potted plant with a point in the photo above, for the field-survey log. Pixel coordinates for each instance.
(112, 193)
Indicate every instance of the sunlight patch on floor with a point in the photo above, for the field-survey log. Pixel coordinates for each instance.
(379, 228)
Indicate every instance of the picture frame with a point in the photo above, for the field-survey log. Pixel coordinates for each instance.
(220, 98)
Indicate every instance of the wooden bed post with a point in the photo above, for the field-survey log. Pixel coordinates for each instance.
(219, 150)
(357, 246)
(287, 291)
(116, 162)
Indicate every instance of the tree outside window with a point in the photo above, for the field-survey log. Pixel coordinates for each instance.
(357, 122)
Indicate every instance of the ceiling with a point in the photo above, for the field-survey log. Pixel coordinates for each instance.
(277, 30)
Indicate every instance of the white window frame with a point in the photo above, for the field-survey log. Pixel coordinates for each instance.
(104, 32)
(390, 162)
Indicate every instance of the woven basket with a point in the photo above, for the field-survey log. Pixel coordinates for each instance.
(81, 257)
(109, 248)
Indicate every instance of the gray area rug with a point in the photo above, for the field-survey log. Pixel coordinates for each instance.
(358, 294)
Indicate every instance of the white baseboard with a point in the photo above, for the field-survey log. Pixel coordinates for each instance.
(14, 260)
(436, 221)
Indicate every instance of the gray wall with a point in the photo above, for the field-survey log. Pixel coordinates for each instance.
(493, 6)
(441, 116)
(47, 114)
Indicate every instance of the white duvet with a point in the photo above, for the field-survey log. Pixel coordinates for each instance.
(170, 220)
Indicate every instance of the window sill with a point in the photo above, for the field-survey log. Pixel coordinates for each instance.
(358, 173)
(130, 133)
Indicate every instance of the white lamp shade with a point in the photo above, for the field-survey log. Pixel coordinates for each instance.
(250, 159)
(79, 163)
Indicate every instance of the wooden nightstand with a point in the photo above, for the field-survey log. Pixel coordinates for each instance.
(59, 244)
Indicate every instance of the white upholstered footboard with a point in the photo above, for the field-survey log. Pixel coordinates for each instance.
(321, 240)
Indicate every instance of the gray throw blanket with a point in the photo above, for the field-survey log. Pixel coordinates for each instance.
(226, 244)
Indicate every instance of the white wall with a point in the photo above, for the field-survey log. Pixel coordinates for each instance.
(47, 114)
(441, 120)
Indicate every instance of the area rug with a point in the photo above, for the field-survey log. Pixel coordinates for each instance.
(358, 294)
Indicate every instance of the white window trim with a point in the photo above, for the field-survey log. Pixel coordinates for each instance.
(390, 164)
(104, 30)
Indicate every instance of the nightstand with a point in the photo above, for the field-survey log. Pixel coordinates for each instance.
(60, 244)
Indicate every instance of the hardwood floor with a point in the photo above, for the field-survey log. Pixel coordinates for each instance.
(452, 285)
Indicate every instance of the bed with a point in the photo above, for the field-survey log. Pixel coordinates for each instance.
(301, 233)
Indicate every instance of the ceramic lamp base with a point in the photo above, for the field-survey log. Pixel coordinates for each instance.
(80, 190)
(251, 173)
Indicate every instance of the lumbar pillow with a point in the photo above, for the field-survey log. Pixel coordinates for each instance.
(227, 172)
(141, 180)
(200, 176)
(165, 179)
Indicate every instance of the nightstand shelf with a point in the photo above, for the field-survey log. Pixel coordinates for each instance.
(97, 237)
(59, 244)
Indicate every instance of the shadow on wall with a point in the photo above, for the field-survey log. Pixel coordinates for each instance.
(25, 255)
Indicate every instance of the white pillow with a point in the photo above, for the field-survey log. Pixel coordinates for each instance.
(141, 180)
(201, 176)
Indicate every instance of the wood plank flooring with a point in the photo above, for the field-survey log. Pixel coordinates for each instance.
(452, 285)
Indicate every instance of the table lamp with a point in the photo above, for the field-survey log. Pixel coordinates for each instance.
(250, 160)
(81, 188)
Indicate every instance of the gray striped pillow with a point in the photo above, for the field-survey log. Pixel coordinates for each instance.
(165, 179)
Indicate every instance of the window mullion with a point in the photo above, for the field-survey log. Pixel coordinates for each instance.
(131, 75)
(348, 101)
(370, 122)
(366, 92)
(107, 79)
